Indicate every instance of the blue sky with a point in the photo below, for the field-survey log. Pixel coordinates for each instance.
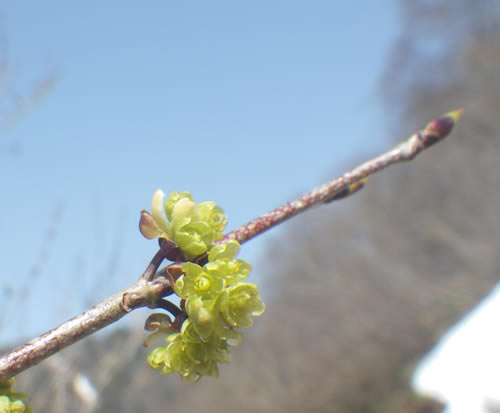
(247, 104)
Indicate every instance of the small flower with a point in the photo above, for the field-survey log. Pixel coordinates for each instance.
(193, 227)
(189, 355)
(173, 200)
(205, 282)
(240, 303)
(11, 401)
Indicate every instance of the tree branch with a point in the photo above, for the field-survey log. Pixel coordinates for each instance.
(153, 285)
(142, 293)
(434, 132)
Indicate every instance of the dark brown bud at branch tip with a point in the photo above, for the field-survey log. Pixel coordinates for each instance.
(440, 128)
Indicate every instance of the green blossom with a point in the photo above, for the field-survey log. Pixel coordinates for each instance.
(222, 257)
(196, 226)
(193, 227)
(201, 288)
(240, 303)
(189, 355)
(215, 297)
(173, 200)
(11, 401)
(216, 289)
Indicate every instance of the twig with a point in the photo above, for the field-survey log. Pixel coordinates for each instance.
(140, 294)
(406, 151)
(149, 289)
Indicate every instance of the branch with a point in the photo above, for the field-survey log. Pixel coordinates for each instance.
(153, 285)
(142, 293)
(343, 186)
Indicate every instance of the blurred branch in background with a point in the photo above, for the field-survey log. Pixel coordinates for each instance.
(16, 102)
(22, 292)
(18, 95)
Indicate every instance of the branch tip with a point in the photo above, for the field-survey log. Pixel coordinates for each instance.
(440, 128)
(456, 114)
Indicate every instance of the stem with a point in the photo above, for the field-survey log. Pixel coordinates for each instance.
(153, 266)
(406, 151)
(140, 294)
(168, 306)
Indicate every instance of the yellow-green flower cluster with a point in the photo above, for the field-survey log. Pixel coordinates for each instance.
(193, 227)
(190, 355)
(11, 401)
(216, 299)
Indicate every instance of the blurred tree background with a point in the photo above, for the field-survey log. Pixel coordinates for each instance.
(356, 292)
